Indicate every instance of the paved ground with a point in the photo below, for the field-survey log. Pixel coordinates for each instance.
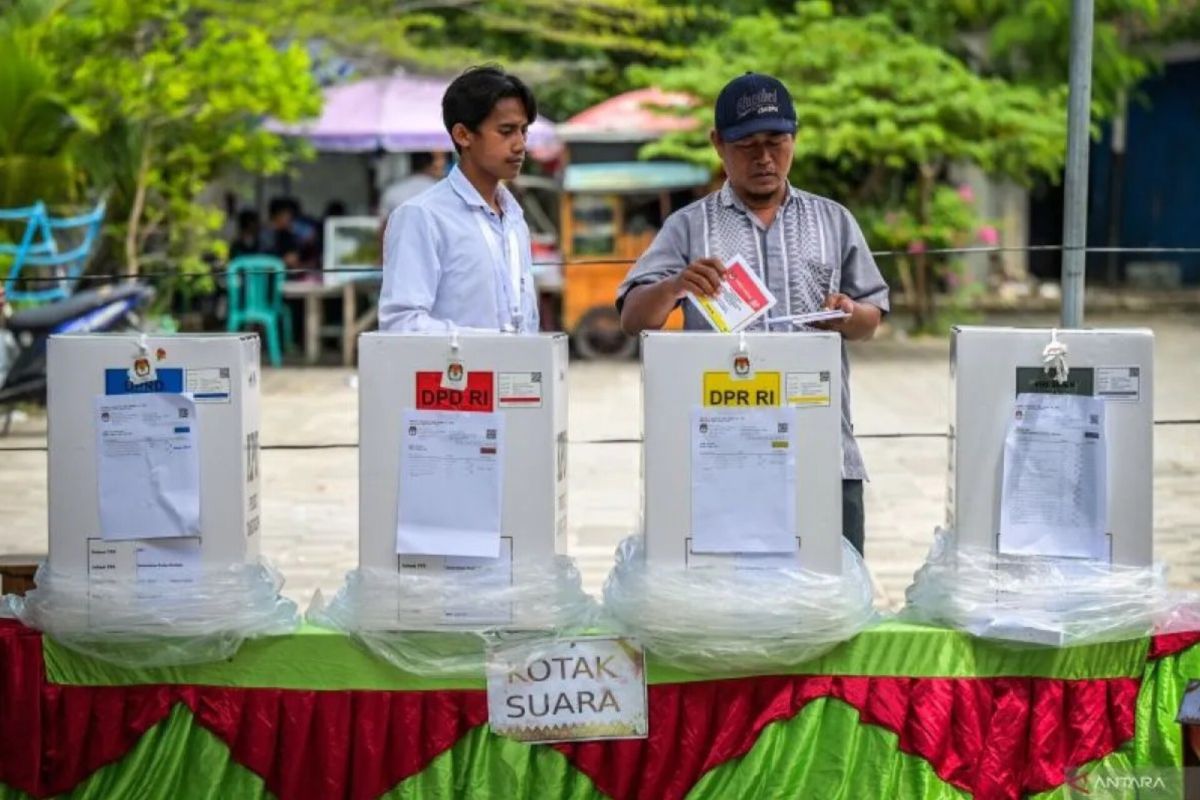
(310, 496)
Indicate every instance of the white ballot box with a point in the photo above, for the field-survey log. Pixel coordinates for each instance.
(154, 454)
(462, 456)
(1053, 462)
(742, 454)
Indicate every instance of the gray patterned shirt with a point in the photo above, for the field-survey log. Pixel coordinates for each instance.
(812, 248)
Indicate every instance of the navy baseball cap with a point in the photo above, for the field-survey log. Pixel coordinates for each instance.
(751, 104)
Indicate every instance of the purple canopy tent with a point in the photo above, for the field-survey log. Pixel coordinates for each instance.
(397, 114)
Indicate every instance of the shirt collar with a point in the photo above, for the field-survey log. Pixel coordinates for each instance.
(730, 198)
(471, 196)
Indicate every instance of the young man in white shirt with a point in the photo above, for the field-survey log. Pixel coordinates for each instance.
(458, 256)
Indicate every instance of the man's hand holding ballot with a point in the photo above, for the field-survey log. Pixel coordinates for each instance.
(860, 321)
(740, 298)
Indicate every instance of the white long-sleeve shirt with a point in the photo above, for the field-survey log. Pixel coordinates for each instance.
(448, 263)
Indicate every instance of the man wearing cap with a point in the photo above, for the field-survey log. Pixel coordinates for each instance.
(808, 250)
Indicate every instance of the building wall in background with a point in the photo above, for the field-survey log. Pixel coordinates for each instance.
(1149, 195)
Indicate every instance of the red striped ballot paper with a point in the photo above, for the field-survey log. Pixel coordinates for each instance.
(743, 298)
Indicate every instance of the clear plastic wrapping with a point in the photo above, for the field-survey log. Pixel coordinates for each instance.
(440, 622)
(725, 619)
(158, 624)
(1051, 601)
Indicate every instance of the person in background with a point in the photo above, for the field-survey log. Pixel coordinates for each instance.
(291, 237)
(457, 256)
(280, 238)
(247, 239)
(808, 250)
(427, 170)
(308, 234)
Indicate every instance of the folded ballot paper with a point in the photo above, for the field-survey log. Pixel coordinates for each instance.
(744, 298)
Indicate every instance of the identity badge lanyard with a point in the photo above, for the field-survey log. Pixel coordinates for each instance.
(515, 288)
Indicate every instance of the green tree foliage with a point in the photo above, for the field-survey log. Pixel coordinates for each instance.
(38, 123)
(1028, 41)
(879, 111)
(580, 50)
(949, 221)
(177, 91)
(143, 103)
(148, 100)
(576, 52)
(171, 92)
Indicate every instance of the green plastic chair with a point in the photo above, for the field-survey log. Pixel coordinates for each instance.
(255, 286)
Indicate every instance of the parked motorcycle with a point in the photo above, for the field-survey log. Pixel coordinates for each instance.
(104, 309)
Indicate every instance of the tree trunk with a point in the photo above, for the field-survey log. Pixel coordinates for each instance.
(923, 310)
(906, 282)
(872, 187)
(132, 231)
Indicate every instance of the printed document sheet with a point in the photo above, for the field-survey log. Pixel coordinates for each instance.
(169, 561)
(1054, 500)
(147, 466)
(451, 483)
(744, 480)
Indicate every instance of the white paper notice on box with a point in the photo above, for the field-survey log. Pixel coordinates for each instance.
(451, 483)
(743, 480)
(176, 560)
(580, 689)
(742, 299)
(1055, 474)
(168, 561)
(148, 466)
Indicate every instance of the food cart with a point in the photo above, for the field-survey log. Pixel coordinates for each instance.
(610, 213)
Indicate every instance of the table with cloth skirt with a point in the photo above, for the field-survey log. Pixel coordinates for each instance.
(900, 711)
